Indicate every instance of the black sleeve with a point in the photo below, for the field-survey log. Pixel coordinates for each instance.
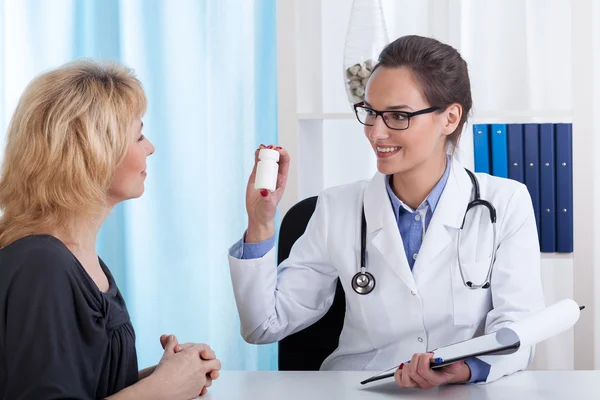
(47, 343)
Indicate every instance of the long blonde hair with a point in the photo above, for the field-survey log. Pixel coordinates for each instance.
(68, 134)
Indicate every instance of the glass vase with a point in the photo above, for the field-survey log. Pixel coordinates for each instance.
(365, 38)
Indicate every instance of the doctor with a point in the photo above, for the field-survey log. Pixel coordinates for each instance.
(413, 294)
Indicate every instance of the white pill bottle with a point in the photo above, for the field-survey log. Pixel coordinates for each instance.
(267, 170)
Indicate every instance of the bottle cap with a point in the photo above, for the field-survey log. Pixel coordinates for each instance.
(268, 154)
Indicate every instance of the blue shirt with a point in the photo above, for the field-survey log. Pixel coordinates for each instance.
(412, 225)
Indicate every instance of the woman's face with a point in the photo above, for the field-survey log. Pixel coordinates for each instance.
(399, 151)
(128, 182)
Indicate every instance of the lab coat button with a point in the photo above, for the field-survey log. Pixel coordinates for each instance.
(413, 293)
(420, 339)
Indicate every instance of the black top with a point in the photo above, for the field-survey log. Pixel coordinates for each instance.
(60, 336)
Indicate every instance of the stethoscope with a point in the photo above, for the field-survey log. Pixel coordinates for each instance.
(363, 282)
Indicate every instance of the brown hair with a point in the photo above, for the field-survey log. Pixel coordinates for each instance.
(438, 68)
(66, 138)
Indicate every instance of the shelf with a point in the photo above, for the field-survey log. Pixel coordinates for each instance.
(326, 116)
(557, 256)
(481, 117)
(522, 116)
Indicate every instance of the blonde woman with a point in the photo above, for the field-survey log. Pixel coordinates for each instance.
(75, 149)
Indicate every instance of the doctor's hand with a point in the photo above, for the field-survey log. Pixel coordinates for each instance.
(261, 205)
(418, 373)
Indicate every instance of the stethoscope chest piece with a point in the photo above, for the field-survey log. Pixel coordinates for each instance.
(363, 282)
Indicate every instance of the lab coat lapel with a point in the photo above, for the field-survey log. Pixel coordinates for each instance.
(444, 225)
(382, 230)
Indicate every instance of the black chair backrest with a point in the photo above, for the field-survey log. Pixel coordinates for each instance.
(306, 350)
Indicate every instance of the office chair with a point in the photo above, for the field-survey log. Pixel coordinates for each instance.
(307, 349)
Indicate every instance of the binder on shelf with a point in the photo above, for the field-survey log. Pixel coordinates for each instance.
(532, 168)
(564, 188)
(514, 136)
(499, 150)
(481, 146)
(547, 189)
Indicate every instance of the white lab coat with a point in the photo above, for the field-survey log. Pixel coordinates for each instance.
(409, 311)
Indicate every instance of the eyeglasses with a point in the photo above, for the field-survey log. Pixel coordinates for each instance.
(397, 120)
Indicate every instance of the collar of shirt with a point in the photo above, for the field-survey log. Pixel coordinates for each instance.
(430, 202)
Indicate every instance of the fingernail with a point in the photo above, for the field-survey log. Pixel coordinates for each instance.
(270, 146)
(264, 193)
(171, 337)
(279, 147)
(401, 366)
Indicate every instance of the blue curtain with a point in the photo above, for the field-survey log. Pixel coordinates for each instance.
(209, 71)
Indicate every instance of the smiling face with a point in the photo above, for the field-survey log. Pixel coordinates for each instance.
(425, 139)
(128, 180)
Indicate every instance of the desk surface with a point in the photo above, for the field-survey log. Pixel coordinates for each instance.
(273, 385)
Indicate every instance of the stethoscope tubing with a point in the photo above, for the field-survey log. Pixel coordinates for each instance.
(363, 282)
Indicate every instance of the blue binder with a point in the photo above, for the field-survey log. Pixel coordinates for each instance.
(564, 188)
(499, 151)
(514, 135)
(481, 147)
(547, 189)
(532, 167)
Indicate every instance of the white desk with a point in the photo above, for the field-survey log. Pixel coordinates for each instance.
(273, 385)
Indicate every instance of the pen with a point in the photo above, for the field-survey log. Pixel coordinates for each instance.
(390, 372)
(581, 308)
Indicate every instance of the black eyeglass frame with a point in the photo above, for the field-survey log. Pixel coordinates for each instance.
(408, 114)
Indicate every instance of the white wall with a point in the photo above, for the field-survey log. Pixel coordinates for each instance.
(521, 69)
(586, 171)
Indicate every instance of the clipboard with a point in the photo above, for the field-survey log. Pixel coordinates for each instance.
(503, 350)
(526, 332)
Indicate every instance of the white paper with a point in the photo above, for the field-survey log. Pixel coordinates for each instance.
(473, 346)
(542, 325)
(536, 328)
